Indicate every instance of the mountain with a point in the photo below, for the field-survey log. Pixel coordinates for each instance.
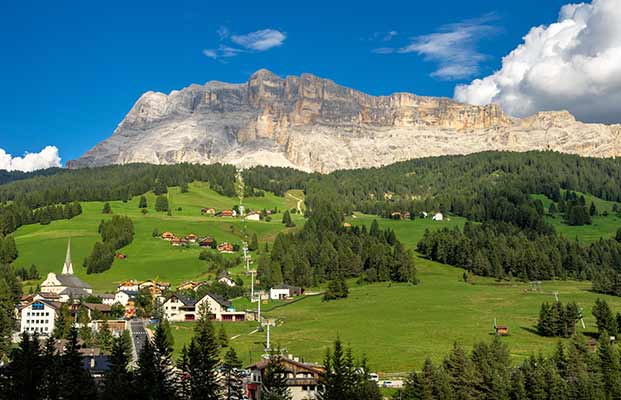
(313, 124)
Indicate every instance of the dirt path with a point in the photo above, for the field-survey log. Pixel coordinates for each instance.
(299, 202)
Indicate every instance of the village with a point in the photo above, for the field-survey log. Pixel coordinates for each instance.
(64, 295)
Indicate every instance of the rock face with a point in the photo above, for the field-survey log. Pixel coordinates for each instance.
(314, 124)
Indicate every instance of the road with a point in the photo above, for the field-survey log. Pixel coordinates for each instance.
(139, 336)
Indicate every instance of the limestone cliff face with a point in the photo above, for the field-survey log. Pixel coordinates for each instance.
(314, 124)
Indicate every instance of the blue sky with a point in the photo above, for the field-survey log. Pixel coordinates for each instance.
(71, 70)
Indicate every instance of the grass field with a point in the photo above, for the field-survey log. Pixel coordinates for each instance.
(396, 325)
(147, 257)
(602, 226)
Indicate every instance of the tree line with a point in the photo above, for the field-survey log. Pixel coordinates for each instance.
(324, 249)
(14, 215)
(504, 251)
(115, 233)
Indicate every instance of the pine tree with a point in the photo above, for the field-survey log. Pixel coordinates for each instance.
(286, 219)
(204, 359)
(604, 318)
(24, 372)
(106, 208)
(552, 210)
(461, 373)
(63, 322)
(146, 375)
(75, 382)
(161, 203)
(275, 381)
(142, 203)
(167, 384)
(233, 381)
(593, 210)
(254, 243)
(50, 379)
(223, 337)
(119, 380)
(611, 371)
(618, 235)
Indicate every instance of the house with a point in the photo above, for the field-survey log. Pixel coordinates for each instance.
(178, 307)
(226, 279)
(27, 299)
(97, 311)
(438, 217)
(120, 256)
(179, 242)
(155, 287)
(208, 211)
(168, 236)
(187, 285)
(282, 292)
(38, 317)
(123, 297)
(192, 238)
(106, 298)
(254, 216)
(303, 379)
(396, 215)
(96, 365)
(225, 247)
(206, 242)
(502, 330)
(228, 213)
(66, 283)
(128, 286)
(407, 215)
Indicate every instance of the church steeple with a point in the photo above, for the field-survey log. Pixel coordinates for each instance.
(68, 267)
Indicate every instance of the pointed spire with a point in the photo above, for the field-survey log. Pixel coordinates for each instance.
(68, 267)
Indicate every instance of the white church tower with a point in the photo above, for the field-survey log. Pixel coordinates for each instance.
(68, 267)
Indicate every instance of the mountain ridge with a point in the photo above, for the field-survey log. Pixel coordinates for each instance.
(314, 124)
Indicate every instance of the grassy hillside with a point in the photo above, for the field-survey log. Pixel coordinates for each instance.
(147, 257)
(602, 226)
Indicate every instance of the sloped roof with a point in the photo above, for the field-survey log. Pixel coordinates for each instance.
(74, 292)
(219, 299)
(187, 301)
(72, 281)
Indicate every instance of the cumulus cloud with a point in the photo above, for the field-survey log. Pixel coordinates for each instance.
(252, 42)
(262, 40)
(46, 158)
(572, 64)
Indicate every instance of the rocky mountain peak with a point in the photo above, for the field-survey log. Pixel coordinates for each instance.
(315, 124)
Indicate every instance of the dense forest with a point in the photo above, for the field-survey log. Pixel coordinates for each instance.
(326, 249)
(115, 233)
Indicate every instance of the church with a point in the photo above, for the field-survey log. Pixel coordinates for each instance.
(66, 285)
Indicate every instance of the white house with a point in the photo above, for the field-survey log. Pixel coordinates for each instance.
(253, 217)
(178, 307)
(438, 217)
(38, 317)
(123, 297)
(227, 281)
(66, 284)
(106, 298)
(282, 292)
(303, 380)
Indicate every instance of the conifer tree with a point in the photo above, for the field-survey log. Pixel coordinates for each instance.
(142, 203)
(223, 337)
(461, 373)
(275, 380)
(75, 382)
(254, 243)
(119, 380)
(233, 382)
(604, 318)
(204, 359)
(286, 219)
(50, 379)
(167, 383)
(106, 208)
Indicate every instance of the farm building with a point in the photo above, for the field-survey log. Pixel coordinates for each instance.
(128, 286)
(282, 292)
(208, 211)
(225, 247)
(502, 330)
(120, 256)
(253, 217)
(206, 242)
(438, 217)
(177, 242)
(396, 215)
(192, 238)
(227, 213)
(168, 236)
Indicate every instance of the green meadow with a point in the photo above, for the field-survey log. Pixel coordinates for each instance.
(147, 257)
(395, 325)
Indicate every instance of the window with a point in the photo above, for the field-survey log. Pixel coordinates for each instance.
(38, 306)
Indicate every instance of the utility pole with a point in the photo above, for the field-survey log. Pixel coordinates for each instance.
(252, 285)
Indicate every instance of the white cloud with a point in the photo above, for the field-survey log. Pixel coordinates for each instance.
(46, 158)
(454, 47)
(572, 64)
(262, 40)
(252, 42)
